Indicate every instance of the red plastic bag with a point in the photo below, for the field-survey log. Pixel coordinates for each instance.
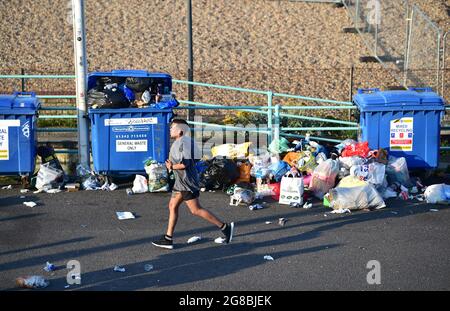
(358, 149)
(276, 190)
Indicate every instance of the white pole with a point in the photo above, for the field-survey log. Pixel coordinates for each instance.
(79, 34)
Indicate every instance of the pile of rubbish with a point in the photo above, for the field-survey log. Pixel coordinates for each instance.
(131, 92)
(347, 176)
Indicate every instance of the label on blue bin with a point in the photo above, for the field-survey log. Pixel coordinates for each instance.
(131, 145)
(4, 143)
(401, 134)
(131, 121)
(4, 137)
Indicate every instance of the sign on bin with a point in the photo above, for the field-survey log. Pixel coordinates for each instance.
(131, 146)
(4, 143)
(4, 137)
(131, 121)
(401, 134)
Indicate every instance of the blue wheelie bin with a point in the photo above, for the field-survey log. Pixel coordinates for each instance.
(123, 138)
(18, 137)
(405, 123)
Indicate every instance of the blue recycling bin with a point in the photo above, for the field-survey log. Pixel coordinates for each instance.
(405, 123)
(122, 139)
(18, 136)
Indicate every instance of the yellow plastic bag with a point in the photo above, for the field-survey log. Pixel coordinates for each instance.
(231, 151)
(351, 182)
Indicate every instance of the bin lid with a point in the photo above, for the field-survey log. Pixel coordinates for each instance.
(411, 99)
(19, 101)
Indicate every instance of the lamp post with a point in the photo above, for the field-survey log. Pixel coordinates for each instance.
(79, 35)
(191, 112)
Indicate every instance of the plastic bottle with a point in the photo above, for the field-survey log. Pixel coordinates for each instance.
(34, 281)
(130, 191)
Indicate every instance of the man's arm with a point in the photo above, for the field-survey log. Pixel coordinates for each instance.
(170, 166)
(180, 166)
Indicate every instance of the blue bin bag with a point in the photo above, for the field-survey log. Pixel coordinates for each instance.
(201, 166)
(279, 169)
(129, 94)
(167, 105)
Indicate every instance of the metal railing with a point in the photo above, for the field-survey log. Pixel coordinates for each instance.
(273, 112)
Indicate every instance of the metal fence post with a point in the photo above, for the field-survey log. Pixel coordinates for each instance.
(357, 14)
(22, 72)
(269, 114)
(438, 61)
(408, 45)
(276, 127)
(191, 112)
(444, 50)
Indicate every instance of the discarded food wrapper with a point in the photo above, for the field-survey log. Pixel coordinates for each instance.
(38, 191)
(307, 205)
(24, 190)
(7, 187)
(125, 215)
(67, 286)
(255, 207)
(53, 191)
(194, 239)
(268, 222)
(220, 240)
(202, 189)
(34, 281)
(113, 187)
(30, 204)
(294, 204)
(268, 257)
(119, 269)
(49, 267)
(282, 221)
(434, 210)
(340, 211)
(148, 267)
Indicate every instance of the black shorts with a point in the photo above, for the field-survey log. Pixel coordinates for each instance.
(187, 195)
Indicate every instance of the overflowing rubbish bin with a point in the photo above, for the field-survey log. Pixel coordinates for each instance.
(130, 112)
(405, 123)
(18, 137)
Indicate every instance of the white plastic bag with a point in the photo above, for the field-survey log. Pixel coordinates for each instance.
(373, 172)
(355, 198)
(324, 177)
(348, 162)
(47, 175)
(397, 171)
(260, 166)
(439, 193)
(158, 178)
(140, 184)
(291, 189)
(242, 196)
